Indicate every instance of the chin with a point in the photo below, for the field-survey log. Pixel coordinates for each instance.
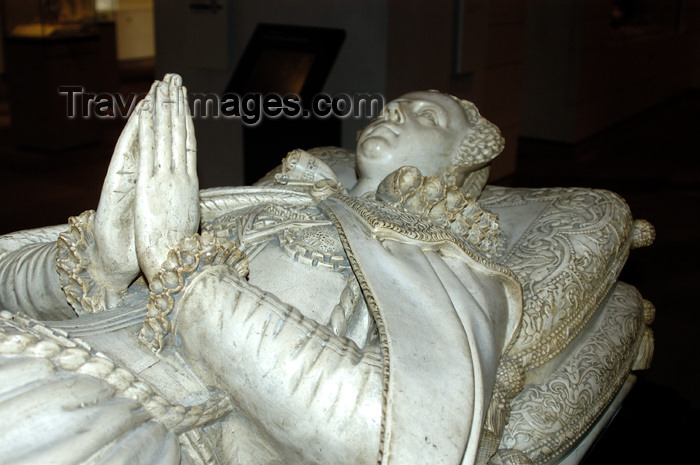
(373, 148)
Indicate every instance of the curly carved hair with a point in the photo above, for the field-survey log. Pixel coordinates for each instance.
(481, 145)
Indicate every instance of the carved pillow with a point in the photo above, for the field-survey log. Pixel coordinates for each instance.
(567, 247)
(552, 414)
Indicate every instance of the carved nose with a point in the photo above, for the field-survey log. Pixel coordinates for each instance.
(394, 113)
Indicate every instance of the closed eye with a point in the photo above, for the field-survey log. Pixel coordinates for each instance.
(429, 116)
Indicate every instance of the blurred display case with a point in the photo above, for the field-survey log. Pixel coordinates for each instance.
(43, 19)
(49, 44)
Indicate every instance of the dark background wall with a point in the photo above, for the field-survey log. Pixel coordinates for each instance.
(583, 98)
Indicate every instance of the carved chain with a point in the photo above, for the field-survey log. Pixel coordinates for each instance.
(30, 338)
(191, 255)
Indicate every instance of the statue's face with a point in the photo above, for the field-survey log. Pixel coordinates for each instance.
(421, 129)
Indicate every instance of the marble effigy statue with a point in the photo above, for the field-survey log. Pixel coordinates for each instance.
(381, 306)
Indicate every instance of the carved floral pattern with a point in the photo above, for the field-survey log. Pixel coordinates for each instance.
(567, 261)
(547, 419)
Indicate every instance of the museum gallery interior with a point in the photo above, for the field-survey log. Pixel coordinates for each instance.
(490, 266)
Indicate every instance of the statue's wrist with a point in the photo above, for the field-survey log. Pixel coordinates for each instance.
(80, 272)
(101, 274)
(192, 255)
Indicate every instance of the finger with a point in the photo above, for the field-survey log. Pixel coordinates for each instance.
(125, 148)
(179, 131)
(152, 90)
(191, 140)
(147, 144)
(170, 78)
(122, 168)
(126, 144)
(162, 127)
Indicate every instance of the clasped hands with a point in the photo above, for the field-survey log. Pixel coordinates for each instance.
(150, 197)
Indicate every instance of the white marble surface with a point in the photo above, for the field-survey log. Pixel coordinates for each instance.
(315, 318)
